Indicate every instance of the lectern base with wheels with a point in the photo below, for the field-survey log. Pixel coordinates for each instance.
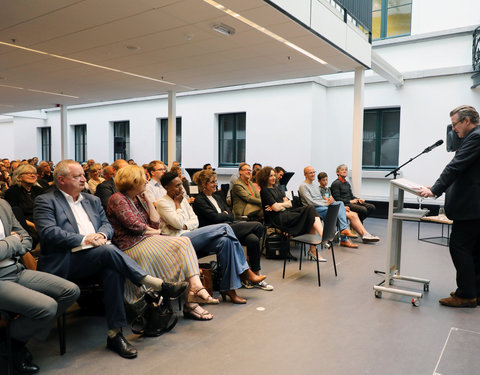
(396, 215)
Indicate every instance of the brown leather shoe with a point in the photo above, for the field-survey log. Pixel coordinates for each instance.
(249, 275)
(478, 298)
(348, 233)
(454, 301)
(348, 243)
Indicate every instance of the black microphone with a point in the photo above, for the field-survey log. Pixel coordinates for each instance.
(436, 144)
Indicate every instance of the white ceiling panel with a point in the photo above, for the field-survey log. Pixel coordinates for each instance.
(172, 40)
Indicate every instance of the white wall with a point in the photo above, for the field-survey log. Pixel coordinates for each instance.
(436, 15)
(7, 148)
(26, 138)
(279, 123)
(425, 105)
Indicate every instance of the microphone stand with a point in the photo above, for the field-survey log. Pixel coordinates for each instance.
(395, 171)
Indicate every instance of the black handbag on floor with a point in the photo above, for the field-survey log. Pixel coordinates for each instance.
(152, 315)
(276, 245)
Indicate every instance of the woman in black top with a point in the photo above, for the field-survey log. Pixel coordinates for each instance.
(211, 208)
(21, 197)
(279, 212)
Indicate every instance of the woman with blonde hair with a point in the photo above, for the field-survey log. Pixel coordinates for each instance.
(136, 226)
(21, 196)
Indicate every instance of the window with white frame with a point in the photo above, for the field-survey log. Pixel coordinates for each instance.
(46, 143)
(231, 138)
(164, 140)
(80, 141)
(121, 140)
(381, 135)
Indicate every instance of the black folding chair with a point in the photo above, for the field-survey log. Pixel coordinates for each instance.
(330, 233)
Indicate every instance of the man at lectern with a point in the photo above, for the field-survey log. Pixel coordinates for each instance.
(460, 180)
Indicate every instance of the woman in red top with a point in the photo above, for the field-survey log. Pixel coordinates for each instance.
(136, 224)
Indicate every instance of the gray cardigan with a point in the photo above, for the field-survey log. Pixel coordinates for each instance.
(11, 247)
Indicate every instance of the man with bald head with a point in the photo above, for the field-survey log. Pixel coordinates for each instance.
(107, 188)
(311, 196)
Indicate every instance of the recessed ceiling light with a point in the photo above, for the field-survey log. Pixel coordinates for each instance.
(223, 29)
(263, 30)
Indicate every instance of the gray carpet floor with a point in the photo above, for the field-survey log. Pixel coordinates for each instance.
(300, 328)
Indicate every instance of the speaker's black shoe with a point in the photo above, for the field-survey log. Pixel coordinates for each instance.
(173, 290)
(121, 346)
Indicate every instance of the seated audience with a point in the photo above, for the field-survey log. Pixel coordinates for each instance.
(95, 178)
(46, 170)
(245, 198)
(355, 222)
(211, 208)
(145, 170)
(136, 226)
(14, 164)
(22, 194)
(107, 188)
(178, 219)
(108, 173)
(342, 192)
(185, 183)
(233, 178)
(5, 180)
(74, 232)
(279, 212)
(38, 298)
(256, 167)
(156, 169)
(280, 172)
(310, 195)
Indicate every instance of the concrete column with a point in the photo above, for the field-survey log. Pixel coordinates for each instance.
(64, 132)
(358, 93)
(172, 127)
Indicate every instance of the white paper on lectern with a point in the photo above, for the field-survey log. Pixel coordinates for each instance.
(407, 185)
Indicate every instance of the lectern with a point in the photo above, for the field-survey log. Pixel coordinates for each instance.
(397, 213)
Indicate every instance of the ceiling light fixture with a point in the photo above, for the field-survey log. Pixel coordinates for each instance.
(40, 91)
(54, 93)
(223, 29)
(84, 63)
(264, 30)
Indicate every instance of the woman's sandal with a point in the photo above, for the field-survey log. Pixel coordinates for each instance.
(314, 257)
(194, 297)
(196, 312)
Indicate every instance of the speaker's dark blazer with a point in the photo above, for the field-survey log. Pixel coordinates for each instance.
(460, 180)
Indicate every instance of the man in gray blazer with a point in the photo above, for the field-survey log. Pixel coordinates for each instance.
(74, 231)
(38, 297)
(460, 180)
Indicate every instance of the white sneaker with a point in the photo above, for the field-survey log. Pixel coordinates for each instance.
(263, 285)
(247, 284)
(367, 237)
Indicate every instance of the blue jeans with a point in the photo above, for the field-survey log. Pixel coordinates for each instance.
(342, 216)
(220, 239)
